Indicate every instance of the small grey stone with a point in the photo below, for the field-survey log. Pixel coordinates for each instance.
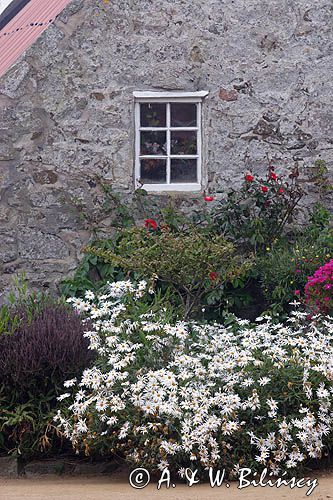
(8, 467)
(48, 467)
(36, 245)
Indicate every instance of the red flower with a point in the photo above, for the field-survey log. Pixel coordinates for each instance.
(209, 198)
(281, 191)
(150, 223)
(249, 178)
(213, 276)
(297, 292)
(273, 176)
(264, 189)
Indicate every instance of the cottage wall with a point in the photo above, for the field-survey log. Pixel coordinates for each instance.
(66, 108)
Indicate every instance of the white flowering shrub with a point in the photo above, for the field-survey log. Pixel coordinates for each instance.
(193, 395)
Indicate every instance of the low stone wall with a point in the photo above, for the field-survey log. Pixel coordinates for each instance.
(11, 467)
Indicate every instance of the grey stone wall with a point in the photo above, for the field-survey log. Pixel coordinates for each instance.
(66, 108)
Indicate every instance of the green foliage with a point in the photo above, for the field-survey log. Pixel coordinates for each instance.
(255, 215)
(192, 263)
(320, 219)
(259, 218)
(283, 271)
(92, 273)
(28, 426)
(20, 296)
(8, 323)
(319, 176)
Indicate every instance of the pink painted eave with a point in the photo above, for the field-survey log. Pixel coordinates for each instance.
(24, 29)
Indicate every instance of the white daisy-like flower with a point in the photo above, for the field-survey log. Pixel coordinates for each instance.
(70, 383)
(263, 381)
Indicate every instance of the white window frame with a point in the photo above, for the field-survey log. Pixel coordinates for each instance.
(169, 97)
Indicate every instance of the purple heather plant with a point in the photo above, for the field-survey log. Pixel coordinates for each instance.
(47, 348)
(43, 349)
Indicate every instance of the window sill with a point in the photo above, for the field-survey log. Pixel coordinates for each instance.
(169, 188)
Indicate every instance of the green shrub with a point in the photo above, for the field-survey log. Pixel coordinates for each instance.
(193, 263)
(256, 214)
(259, 219)
(92, 273)
(284, 270)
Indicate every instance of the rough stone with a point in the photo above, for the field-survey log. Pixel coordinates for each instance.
(99, 96)
(66, 109)
(8, 467)
(8, 249)
(65, 466)
(36, 245)
(11, 84)
(45, 177)
(48, 467)
(228, 95)
(89, 469)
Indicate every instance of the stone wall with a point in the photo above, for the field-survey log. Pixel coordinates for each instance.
(66, 108)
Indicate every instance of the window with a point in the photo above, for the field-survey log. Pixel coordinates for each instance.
(168, 140)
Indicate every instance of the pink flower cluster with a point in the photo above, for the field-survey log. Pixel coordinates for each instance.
(319, 288)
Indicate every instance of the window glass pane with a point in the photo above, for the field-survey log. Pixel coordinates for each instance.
(183, 170)
(153, 171)
(183, 115)
(183, 142)
(153, 143)
(153, 114)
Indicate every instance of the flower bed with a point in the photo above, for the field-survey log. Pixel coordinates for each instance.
(198, 395)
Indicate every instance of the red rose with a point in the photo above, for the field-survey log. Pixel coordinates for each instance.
(150, 223)
(213, 276)
(281, 191)
(273, 176)
(209, 198)
(249, 178)
(264, 189)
